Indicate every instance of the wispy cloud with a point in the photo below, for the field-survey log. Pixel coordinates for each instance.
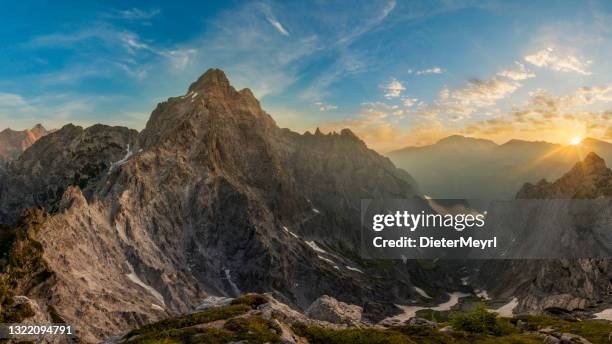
(463, 102)
(518, 73)
(11, 100)
(409, 102)
(133, 15)
(559, 61)
(478, 93)
(138, 14)
(267, 11)
(432, 70)
(370, 24)
(393, 89)
(325, 107)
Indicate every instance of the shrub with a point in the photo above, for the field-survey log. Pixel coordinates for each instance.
(480, 321)
(319, 335)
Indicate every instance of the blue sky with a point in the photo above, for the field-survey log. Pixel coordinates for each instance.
(397, 73)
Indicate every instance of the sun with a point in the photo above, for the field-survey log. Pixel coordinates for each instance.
(575, 140)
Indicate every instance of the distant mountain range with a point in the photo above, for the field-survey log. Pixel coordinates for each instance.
(471, 168)
(13, 142)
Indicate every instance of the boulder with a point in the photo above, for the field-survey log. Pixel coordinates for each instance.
(326, 308)
(214, 302)
(416, 321)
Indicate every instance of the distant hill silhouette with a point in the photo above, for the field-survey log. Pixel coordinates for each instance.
(464, 167)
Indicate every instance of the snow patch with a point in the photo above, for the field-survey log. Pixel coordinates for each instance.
(606, 314)
(315, 247)
(410, 311)
(421, 292)
(506, 310)
(454, 299)
(326, 259)
(483, 294)
(316, 210)
(158, 307)
(134, 278)
(228, 277)
(354, 269)
(129, 153)
(290, 232)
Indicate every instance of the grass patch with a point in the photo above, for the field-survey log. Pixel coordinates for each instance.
(186, 335)
(596, 331)
(182, 329)
(318, 335)
(163, 326)
(256, 329)
(251, 300)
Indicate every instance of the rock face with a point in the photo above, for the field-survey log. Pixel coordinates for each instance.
(210, 198)
(69, 156)
(331, 310)
(589, 178)
(566, 284)
(13, 143)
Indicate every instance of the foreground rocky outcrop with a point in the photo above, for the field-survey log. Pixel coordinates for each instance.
(211, 198)
(262, 319)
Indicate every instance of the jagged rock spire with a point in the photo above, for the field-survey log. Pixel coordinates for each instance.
(213, 79)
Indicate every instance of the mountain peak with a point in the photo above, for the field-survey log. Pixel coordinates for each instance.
(213, 79)
(589, 178)
(591, 163)
(460, 139)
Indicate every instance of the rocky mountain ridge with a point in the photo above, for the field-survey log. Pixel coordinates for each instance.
(210, 198)
(13, 142)
(560, 284)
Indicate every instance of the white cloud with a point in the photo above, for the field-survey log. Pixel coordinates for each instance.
(393, 89)
(433, 70)
(325, 107)
(559, 61)
(484, 93)
(461, 103)
(519, 73)
(543, 100)
(409, 102)
(444, 94)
